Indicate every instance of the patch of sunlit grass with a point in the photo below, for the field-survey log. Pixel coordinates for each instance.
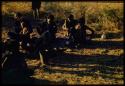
(98, 51)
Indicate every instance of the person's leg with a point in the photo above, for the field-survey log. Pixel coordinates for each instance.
(89, 41)
(38, 45)
(41, 59)
(37, 13)
(34, 13)
(25, 42)
(77, 41)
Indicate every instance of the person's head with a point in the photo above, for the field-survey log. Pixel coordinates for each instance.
(50, 18)
(17, 15)
(71, 17)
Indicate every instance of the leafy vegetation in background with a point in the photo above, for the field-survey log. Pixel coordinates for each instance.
(101, 16)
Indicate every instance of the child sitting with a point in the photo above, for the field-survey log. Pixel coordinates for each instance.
(24, 36)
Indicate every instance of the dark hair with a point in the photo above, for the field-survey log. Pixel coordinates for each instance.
(18, 14)
(51, 17)
(71, 16)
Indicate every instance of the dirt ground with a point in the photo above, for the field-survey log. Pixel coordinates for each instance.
(100, 62)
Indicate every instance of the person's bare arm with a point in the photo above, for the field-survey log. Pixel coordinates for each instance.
(90, 29)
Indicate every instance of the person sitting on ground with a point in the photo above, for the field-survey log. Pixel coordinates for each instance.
(17, 26)
(25, 35)
(47, 38)
(84, 29)
(77, 34)
(71, 22)
(50, 26)
(14, 66)
(34, 38)
(22, 29)
(18, 19)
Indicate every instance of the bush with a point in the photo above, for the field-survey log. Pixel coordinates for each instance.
(100, 16)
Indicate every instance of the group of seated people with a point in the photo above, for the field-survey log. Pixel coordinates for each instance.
(27, 37)
(77, 31)
(42, 37)
(45, 33)
(30, 40)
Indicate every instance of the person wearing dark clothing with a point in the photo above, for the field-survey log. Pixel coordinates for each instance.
(47, 38)
(77, 34)
(25, 35)
(34, 39)
(14, 66)
(70, 24)
(83, 30)
(50, 26)
(35, 7)
(18, 19)
(22, 30)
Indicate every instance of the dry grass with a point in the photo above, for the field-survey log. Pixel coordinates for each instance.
(98, 65)
(99, 16)
(89, 68)
(92, 65)
(10, 7)
(95, 64)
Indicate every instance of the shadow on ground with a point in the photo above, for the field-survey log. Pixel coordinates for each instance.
(82, 65)
(87, 65)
